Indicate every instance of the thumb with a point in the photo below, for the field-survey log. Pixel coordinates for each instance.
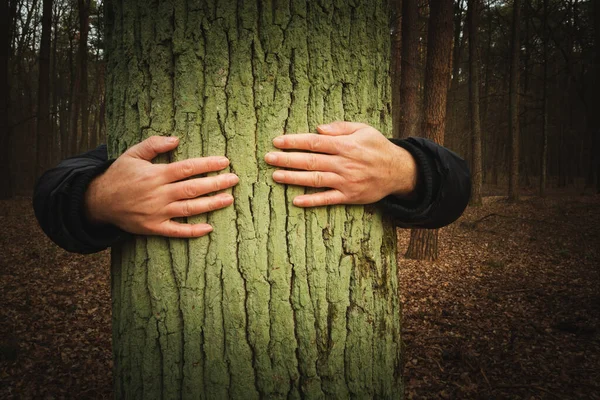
(153, 146)
(338, 128)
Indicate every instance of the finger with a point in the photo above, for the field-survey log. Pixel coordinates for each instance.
(153, 146)
(176, 229)
(326, 198)
(338, 128)
(200, 205)
(307, 141)
(194, 166)
(305, 161)
(312, 179)
(192, 188)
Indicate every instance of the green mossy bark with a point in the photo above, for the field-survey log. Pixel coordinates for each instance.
(277, 302)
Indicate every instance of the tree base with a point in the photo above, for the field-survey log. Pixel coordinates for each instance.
(423, 245)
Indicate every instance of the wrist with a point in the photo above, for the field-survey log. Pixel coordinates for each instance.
(405, 174)
(92, 202)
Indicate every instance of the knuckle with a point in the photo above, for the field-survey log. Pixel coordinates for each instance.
(318, 179)
(186, 168)
(312, 162)
(189, 190)
(315, 143)
(186, 208)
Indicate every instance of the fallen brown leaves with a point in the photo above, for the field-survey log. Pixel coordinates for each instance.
(511, 309)
(55, 321)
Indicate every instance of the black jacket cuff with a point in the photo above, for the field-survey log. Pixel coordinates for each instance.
(95, 237)
(428, 182)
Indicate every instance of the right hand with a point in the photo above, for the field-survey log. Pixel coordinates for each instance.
(141, 198)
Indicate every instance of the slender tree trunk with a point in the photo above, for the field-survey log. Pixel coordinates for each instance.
(409, 86)
(474, 65)
(596, 98)
(277, 302)
(544, 144)
(5, 119)
(396, 64)
(513, 176)
(44, 127)
(84, 26)
(423, 245)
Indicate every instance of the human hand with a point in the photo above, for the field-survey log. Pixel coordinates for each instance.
(355, 161)
(141, 198)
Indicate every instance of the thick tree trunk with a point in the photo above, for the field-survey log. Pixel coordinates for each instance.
(513, 121)
(409, 86)
(5, 120)
(44, 129)
(277, 302)
(474, 65)
(437, 78)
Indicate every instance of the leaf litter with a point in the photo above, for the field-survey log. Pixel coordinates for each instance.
(511, 309)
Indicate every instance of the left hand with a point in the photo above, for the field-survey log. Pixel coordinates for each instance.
(355, 161)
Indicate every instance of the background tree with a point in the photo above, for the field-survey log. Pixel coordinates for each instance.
(424, 242)
(474, 65)
(410, 78)
(278, 301)
(513, 182)
(43, 139)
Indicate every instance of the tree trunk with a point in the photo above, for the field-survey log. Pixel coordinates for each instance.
(82, 57)
(5, 119)
(544, 144)
(396, 27)
(279, 301)
(44, 128)
(474, 65)
(409, 86)
(513, 121)
(437, 78)
(596, 98)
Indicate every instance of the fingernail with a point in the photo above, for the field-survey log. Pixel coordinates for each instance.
(223, 162)
(278, 175)
(233, 179)
(325, 128)
(172, 139)
(278, 141)
(270, 158)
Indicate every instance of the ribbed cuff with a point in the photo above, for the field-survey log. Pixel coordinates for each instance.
(427, 184)
(94, 237)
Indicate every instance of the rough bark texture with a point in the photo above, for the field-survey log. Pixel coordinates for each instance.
(423, 245)
(277, 302)
(513, 121)
(474, 65)
(409, 86)
(44, 130)
(5, 122)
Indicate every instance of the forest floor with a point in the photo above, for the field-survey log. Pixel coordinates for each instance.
(510, 310)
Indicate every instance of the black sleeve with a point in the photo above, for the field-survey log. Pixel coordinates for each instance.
(444, 187)
(58, 204)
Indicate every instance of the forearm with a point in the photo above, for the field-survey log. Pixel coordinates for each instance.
(442, 192)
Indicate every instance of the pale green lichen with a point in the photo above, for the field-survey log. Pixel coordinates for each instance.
(277, 302)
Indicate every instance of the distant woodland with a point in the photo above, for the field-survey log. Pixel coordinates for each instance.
(512, 86)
